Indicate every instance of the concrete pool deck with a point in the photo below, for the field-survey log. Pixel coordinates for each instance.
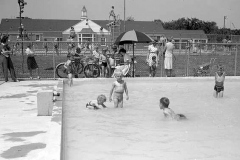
(24, 135)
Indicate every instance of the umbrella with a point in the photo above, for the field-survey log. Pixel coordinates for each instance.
(131, 37)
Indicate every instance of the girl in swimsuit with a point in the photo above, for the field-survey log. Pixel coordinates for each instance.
(119, 87)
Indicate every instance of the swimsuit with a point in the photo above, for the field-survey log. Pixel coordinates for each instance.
(218, 88)
(219, 79)
(93, 104)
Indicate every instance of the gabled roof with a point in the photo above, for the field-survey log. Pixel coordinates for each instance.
(53, 27)
(31, 25)
(142, 26)
(86, 24)
(195, 34)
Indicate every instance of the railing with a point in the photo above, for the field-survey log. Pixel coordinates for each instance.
(48, 56)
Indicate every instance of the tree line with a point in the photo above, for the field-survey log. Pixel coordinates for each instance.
(209, 27)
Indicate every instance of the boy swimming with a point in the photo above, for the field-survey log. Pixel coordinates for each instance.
(168, 113)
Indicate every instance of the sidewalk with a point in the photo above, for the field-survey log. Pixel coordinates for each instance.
(23, 134)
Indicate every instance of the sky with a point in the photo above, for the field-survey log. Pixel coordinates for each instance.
(140, 10)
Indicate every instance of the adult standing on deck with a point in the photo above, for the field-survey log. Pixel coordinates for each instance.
(153, 51)
(168, 63)
(5, 59)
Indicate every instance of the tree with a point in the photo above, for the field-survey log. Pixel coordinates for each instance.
(191, 24)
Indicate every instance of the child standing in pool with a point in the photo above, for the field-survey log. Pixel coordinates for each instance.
(118, 87)
(168, 113)
(219, 82)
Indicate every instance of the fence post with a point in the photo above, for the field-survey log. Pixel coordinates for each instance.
(188, 53)
(185, 62)
(235, 71)
(54, 74)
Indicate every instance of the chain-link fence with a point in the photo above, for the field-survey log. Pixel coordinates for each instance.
(186, 61)
(218, 38)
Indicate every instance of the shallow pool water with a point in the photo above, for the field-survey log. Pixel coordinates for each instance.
(140, 131)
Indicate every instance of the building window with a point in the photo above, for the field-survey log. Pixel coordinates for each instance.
(87, 38)
(103, 41)
(37, 37)
(59, 39)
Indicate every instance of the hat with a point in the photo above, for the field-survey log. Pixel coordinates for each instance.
(155, 41)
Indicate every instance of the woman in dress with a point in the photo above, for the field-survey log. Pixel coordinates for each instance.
(153, 51)
(31, 62)
(168, 64)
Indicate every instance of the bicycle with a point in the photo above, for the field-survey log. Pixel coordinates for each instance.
(90, 70)
(204, 69)
(77, 67)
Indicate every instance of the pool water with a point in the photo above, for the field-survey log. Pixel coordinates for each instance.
(140, 131)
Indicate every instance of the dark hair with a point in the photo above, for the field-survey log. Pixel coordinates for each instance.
(165, 102)
(122, 50)
(153, 57)
(4, 39)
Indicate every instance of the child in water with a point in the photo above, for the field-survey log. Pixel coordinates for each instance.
(119, 86)
(219, 82)
(96, 104)
(168, 113)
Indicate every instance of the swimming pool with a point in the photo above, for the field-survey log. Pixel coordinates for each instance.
(139, 130)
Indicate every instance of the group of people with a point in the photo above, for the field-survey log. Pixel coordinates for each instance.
(165, 49)
(108, 60)
(119, 87)
(7, 64)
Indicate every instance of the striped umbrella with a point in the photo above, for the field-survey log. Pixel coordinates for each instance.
(131, 37)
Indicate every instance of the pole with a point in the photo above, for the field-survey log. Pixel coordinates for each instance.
(133, 61)
(21, 35)
(124, 15)
(235, 69)
(188, 61)
(224, 18)
(54, 62)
